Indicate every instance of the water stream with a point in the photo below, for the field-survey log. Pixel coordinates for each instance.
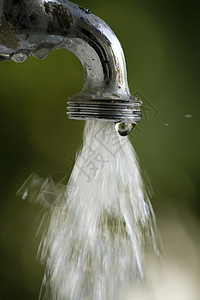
(94, 245)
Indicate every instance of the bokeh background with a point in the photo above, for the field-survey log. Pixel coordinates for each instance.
(161, 43)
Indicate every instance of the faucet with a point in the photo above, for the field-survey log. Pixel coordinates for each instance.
(36, 27)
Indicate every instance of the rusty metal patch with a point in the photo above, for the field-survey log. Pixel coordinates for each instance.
(59, 14)
(7, 36)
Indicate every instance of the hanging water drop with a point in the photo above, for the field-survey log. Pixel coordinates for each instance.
(124, 129)
(19, 57)
(42, 53)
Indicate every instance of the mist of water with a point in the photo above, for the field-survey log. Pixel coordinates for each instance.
(94, 245)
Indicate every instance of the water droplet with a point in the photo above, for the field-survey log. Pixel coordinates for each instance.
(19, 57)
(124, 128)
(41, 53)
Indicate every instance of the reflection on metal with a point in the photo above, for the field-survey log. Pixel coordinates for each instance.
(36, 27)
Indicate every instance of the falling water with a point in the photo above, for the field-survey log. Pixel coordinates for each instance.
(94, 246)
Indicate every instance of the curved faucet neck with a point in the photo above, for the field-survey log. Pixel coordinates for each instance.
(81, 32)
(101, 55)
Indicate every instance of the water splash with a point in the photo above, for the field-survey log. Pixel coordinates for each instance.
(94, 245)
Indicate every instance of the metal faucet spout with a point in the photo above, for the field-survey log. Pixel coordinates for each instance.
(36, 27)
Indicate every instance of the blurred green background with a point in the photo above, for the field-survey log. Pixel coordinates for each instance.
(161, 44)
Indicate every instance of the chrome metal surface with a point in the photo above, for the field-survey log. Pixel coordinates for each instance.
(36, 27)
